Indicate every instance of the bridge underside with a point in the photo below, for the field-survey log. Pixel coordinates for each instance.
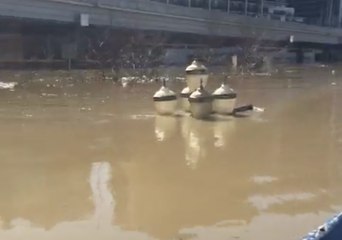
(148, 15)
(27, 42)
(50, 30)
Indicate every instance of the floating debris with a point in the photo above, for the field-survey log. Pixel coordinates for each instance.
(49, 95)
(85, 109)
(180, 79)
(8, 85)
(141, 116)
(125, 81)
(258, 109)
(242, 109)
(266, 74)
(263, 179)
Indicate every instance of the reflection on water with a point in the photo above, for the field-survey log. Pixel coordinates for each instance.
(102, 197)
(264, 202)
(223, 129)
(82, 159)
(193, 141)
(165, 127)
(198, 135)
(263, 179)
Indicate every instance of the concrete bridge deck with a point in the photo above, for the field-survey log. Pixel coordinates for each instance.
(148, 15)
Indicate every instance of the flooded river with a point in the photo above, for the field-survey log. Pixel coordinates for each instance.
(86, 159)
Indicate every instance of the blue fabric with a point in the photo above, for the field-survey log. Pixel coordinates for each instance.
(331, 230)
(335, 233)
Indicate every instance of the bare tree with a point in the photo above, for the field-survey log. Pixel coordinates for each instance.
(118, 50)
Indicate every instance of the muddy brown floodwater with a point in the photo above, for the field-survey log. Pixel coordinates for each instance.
(83, 159)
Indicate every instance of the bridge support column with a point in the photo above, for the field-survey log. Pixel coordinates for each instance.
(228, 6)
(246, 7)
(330, 12)
(340, 14)
(299, 55)
(234, 63)
(262, 7)
(49, 52)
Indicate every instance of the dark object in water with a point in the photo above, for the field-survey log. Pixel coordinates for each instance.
(245, 108)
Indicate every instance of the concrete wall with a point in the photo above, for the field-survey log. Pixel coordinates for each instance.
(147, 15)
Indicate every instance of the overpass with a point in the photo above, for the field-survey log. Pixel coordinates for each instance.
(149, 15)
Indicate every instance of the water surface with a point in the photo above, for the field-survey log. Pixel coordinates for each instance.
(86, 159)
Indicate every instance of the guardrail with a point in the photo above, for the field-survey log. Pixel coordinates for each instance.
(151, 7)
(148, 14)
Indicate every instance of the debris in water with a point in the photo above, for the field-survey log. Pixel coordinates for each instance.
(160, 135)
(85, 109)
(265, 74)
(258, 109)
(291, 39)
(141, 116)
(180, 79)
(9, 85)
(263, 179)
(125, 81)
(49, 95)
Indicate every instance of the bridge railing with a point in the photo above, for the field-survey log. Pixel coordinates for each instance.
(203, 16)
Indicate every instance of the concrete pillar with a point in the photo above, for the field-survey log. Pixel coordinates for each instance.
(340, 14)
(167, 1)
(330, 12)
(246, 7)
(189, 3)
(209, 3)
(267, 66)
(262, 8)
(326, 13)
(49, 52)
(299, 55)
(228, 6)
(234, 63)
